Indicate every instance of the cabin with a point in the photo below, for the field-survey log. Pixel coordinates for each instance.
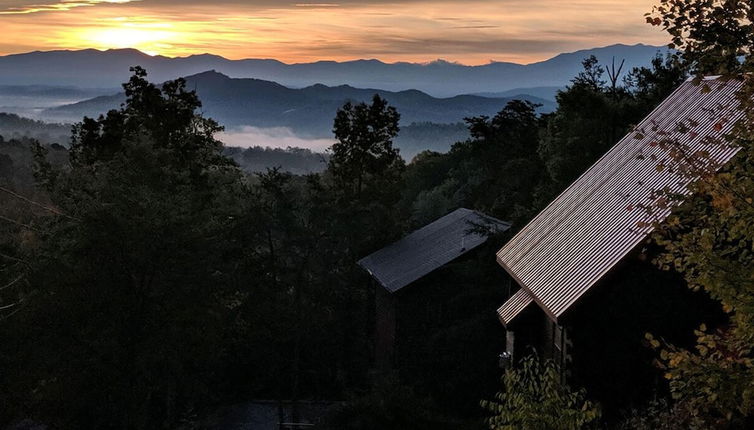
(588, 290)
(408, 296)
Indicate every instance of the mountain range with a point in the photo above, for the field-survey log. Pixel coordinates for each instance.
(270, 103)
(308, 111)
(107, 69)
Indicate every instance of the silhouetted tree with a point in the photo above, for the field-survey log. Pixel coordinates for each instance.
(126, 327)
(364, 151)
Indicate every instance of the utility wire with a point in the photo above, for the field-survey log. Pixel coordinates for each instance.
(40, 205)
(20, 224)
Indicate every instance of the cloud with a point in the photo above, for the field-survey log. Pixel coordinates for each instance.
(20, 8)
(320, 5)
(32, 6)
(434, 45)
(471, 32)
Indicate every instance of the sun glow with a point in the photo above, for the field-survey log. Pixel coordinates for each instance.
(150, 39)
(472, 32)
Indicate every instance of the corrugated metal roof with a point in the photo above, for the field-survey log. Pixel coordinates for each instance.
(429, 248)
(514, 306)
(591, 226)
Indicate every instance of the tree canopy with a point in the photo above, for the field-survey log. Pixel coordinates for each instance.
(709, 237)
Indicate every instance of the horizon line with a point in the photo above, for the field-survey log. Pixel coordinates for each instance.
(420, 63)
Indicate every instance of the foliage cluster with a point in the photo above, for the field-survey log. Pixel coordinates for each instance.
(709, 237)
(535, 397)
(298, 161)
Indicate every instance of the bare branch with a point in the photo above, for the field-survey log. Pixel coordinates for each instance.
(12, 283)
(18, 260)
(15, 311)
(12, 305)
(614, 74)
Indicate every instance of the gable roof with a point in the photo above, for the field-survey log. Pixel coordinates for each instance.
(429, 248)
(593, 225)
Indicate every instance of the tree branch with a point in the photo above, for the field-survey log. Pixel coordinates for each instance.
(13, 282)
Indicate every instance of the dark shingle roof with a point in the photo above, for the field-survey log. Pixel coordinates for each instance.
(429, 248)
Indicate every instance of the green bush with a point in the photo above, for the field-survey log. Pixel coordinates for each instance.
(534, 397)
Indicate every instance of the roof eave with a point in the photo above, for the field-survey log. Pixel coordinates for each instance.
(539, 303)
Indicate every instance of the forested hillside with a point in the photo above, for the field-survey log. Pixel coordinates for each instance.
(307, 111)
(292, 160)
(14, 126)
(412, 139)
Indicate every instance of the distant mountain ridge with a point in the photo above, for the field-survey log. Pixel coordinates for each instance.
(309, 111)
(544, 93)
(105, 69)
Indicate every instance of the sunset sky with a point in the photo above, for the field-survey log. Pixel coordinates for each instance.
(467, 31)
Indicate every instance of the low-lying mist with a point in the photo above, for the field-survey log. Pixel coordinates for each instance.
(277, 137)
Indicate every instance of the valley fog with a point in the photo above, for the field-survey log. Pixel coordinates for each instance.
(276, 137)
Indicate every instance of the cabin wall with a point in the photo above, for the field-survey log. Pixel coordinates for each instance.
(447, 336)
(607, 330)
(600, 343)
(385, 328)
(535, 332)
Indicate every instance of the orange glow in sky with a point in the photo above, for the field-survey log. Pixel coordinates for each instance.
(471, 31)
